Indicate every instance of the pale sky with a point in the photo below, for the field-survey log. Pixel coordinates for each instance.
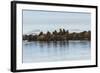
(36, 21)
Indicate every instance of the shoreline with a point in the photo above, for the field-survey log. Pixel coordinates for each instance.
(62, 35)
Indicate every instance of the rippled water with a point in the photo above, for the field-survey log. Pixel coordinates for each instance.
(56, 51)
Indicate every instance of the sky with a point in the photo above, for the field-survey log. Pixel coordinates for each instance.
(35, 21)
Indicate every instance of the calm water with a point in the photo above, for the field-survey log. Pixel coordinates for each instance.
(56, 51)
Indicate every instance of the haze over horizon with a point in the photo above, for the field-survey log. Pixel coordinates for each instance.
(36, 21)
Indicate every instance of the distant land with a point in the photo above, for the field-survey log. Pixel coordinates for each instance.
(62, 35)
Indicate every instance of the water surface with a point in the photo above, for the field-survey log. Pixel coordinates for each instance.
(39, 51)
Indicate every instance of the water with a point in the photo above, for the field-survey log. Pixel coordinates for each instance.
(56, 51)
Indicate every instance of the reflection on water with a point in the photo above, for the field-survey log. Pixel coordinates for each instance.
(39, 51)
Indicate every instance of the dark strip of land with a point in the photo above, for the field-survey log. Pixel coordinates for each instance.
(62, 35)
